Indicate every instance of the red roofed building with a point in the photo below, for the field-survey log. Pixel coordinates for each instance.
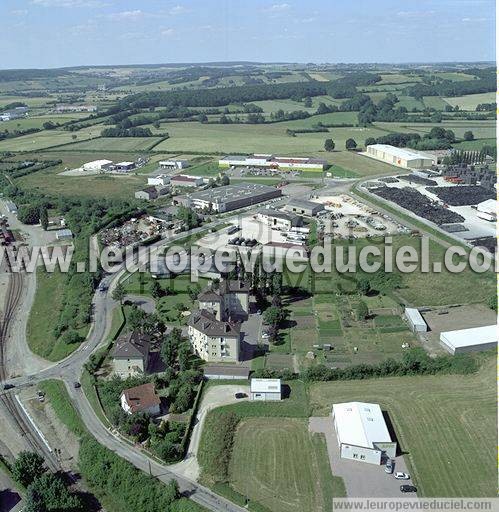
(141, 399)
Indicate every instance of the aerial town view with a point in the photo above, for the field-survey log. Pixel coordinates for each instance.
(248, 256)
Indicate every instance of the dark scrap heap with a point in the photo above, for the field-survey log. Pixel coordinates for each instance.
(462, 195)
(419, 204)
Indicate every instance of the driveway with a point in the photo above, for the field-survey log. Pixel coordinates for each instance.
(251, 330)
(216, 396)
(362, 480)
(147, 304)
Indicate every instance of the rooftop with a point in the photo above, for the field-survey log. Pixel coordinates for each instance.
(207, 323)
(303, 203)
(277, 214)
(133, 344)
(265, 385)
(398, 152)
(360, 424)
(473, 336)
(141, 398)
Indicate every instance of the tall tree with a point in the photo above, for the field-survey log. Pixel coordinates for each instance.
(329, 145)
(27, 467)
(119, 293)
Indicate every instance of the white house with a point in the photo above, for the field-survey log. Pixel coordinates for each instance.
(141, 399)
(265, 389)
(97, 165)
(131, 354)
(362, 433)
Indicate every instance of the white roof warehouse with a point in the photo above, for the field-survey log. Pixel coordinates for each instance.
(398, 156)
(362, 432)
(470, 340)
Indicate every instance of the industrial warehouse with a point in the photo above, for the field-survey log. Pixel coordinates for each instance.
(400, 157)
(475, 339)
(362, 433)
(274, 162)
(229, 197)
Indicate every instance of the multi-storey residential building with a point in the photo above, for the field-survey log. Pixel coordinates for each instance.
(214, 330)
(214, 340)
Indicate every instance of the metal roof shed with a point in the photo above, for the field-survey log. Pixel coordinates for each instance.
(416, 321)
(470, 340)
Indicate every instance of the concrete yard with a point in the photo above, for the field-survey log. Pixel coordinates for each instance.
(361, 480)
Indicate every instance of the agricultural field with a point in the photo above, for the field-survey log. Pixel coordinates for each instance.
(124, 144)
(47, 139)
(470, 101)
(247, 138)
(446, 424)
(278, 463)
(398, 78)
(435, 102)
(119, 187)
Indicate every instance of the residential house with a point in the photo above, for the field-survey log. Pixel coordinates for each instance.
(141, 399)
(131, 354)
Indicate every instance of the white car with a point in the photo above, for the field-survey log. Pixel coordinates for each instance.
(402, 476)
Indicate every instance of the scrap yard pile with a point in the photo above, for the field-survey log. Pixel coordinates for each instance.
(418, 180)
(463, 195)
(470, 174)
(419, 204)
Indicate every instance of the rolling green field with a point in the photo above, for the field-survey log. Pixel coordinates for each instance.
(434, 102)
(246, 138)
(446, 424)
(47, 139)
(115, 144)
(85, 186)
(470, 101)
(281, 465)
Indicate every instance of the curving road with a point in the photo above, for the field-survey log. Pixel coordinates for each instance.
(70, 370)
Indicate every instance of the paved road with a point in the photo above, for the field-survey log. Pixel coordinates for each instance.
(70, 369)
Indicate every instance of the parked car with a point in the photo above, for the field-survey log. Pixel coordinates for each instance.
(265, 335)
(399, 475)
(389, 466)
(8, 386)
(241, 395)
(408, 488)
(76, 385)
(41, 396)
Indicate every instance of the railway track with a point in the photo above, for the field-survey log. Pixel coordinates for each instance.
(36, 444)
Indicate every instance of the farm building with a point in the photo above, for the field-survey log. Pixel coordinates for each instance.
(173, 164)
(182, 180)
(362, 433)
(265, 389)
(304, 207)
(398, 156)
(97, 165)
(147, 193)
(141, 399)
(16, 113)
(273, 162)
(469, 340)
(416, 321)
(232, 197)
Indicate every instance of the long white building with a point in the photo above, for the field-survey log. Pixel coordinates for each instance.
(399, 157)
(362, 433)
(273, 162)
(469, 340)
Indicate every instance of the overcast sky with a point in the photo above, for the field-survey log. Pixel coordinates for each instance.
(54, 33)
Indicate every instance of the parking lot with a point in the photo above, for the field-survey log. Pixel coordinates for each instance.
(362, 480)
